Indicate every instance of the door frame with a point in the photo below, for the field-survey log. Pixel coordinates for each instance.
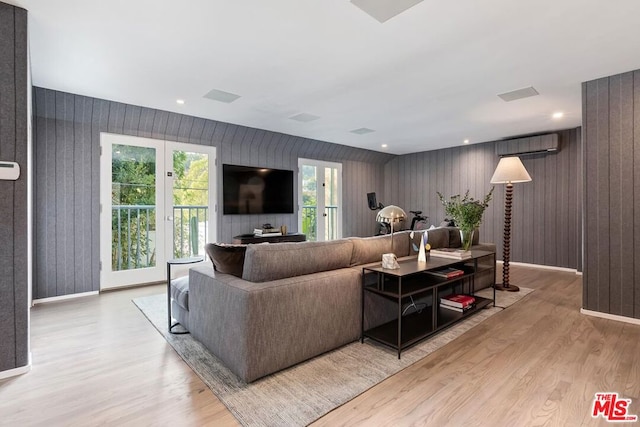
(170, 146)
(164, 200)
(320, 200)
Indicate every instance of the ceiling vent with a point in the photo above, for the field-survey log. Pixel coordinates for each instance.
(304, 117)
(362, 131)
(518, 94)
(383, 10)
(221, 96)
(540, 144)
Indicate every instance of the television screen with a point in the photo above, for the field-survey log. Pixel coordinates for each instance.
(251, 190)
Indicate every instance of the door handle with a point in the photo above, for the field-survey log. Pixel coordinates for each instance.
(169, 218)
(324, 214)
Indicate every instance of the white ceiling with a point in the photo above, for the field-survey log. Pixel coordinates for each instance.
(425, 79)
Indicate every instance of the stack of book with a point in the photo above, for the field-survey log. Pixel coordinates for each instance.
(447, 273)
(458, 302)
(267, 232)
(451, 253)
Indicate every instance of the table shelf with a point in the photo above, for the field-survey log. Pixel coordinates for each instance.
(415, 279)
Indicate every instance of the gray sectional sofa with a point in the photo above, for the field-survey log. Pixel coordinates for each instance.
(294, 301)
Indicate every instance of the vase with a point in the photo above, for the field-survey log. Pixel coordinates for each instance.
(466, 238)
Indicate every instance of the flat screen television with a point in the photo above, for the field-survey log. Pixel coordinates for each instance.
(251, 190)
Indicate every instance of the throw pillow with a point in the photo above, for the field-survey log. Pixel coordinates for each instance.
(227, 258)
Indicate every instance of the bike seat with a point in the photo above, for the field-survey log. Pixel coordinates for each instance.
(416, 212)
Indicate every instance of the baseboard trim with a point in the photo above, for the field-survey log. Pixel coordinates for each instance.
(16, 371)
(608, 316)
(544, 267)
(64, 297)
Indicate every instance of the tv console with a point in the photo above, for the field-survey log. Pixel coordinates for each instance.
(251, 238)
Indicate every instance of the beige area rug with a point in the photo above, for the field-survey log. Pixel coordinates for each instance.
(303, 393)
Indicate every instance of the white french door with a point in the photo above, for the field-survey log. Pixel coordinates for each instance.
(157, 202)
(320, 199)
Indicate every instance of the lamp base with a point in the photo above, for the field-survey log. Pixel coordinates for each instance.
(508, 288)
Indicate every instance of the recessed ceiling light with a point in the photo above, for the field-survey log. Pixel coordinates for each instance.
(362, 131)
(384, 145)
(180, 101)
(466, 141)
(558, 115)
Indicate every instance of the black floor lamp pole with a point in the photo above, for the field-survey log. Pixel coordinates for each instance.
(506, 243)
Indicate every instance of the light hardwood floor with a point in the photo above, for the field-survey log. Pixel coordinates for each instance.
(98, 361)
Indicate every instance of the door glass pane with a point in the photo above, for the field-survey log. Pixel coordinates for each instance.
(331, 203)
(309, 202)
(133, 204)
(190, 203)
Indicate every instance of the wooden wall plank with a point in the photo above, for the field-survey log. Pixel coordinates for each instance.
(13, 194)
(614, 184)
(636, 198)
(7, 190)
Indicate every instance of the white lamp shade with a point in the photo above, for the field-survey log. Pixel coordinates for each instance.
(510, 170)
(390, 214)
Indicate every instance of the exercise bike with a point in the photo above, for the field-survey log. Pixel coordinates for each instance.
(374, 205)
(418, 222)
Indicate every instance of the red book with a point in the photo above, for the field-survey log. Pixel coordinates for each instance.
(458, 300)
(448, 273)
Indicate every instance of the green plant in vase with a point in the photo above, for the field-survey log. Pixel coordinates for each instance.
(466, 212)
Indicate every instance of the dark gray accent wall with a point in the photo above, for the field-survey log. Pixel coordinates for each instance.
(611, 121)
(13, 194)
(67, 159)
(546, 214)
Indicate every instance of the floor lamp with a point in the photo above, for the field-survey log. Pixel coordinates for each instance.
(509, 171)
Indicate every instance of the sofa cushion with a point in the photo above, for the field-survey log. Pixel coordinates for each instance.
(227, 259)
(180, 291)
(263, 263)
(370, 249)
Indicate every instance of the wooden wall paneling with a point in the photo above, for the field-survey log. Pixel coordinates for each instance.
(64, 192)
(577, 208)
(611, 205)
(602, 189)
(44, 196)
(185, 128)
(147, 118)
(563, 219)
(7, 188)
(196, 131)
(20, 188)
(82, 189)
(160, 122)
(590, 269)
(117, 112)
(636, 197)
(626, 188)
(614, 195)
(132, 116)
(173, 125)
(551, 229)
(13, 194)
